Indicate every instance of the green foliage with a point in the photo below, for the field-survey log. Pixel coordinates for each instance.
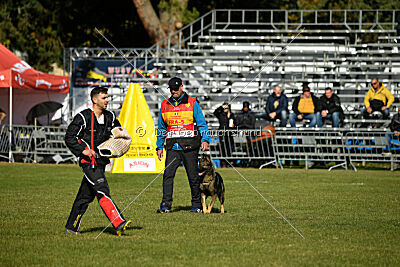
(347, 218)
(179, 9)
(29, 26)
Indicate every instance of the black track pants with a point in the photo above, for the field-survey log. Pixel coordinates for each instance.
(94, 184)
(190, 161)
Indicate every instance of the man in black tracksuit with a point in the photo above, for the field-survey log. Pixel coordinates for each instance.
(89, 129)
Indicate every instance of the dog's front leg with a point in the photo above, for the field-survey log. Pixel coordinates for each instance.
(203, 202)
(212, 203)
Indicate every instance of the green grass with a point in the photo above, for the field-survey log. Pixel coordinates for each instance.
(347, 218)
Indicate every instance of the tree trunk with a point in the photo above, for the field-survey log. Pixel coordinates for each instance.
(150, 20)
(171, 17)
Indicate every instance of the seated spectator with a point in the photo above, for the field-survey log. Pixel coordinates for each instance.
(378, 98)
(330, 109)
(3, 114)
(277, 107)
(246, 118)
(395, 123)
(305, 106)
(395, 129)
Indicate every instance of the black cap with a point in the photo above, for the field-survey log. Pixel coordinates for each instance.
(306, 89)
(246, 104)
(175, 83)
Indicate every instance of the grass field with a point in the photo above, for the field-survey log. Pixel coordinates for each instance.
(347, 218)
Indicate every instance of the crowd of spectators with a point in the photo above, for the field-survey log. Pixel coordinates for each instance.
(307, 107)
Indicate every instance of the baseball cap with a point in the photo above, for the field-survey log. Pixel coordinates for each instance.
(306, 89)
(174, 83)
(246, 104)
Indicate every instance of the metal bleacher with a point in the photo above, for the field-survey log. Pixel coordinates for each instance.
(231, 55)
(236, 52)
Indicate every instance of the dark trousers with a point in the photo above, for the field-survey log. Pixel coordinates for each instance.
(190, 161)
(94, 184)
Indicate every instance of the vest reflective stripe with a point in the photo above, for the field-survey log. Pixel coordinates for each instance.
(179, 119)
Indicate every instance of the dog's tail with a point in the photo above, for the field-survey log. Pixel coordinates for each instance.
(220, 187)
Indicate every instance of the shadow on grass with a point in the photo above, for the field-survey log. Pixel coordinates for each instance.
(187, 208)
(109, 230)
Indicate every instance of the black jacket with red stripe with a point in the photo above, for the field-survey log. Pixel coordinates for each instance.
(78, 134)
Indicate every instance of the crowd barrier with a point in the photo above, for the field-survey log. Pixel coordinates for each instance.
(252, 146)
(310, 146)
(256, 147)
(372, 147)
(34, 143)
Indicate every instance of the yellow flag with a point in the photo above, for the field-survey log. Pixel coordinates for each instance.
(135, 116)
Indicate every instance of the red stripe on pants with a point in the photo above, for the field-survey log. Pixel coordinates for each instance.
(111, 211)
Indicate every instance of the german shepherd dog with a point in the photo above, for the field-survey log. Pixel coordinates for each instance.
(211, 184)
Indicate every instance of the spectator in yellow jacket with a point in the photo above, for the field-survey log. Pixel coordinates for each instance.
(378, 98)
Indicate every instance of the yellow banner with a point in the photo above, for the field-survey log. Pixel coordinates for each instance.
(135, 116)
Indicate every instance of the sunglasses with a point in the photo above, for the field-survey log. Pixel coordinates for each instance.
(374, 83)
(174, 89)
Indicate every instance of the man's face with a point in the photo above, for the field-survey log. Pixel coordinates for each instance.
(277, 91)
(375, 84)
(226, 108)
(245, 109)
(307, 94)
(176, 93)
(328, 93)
(101, 100)
(398, 110)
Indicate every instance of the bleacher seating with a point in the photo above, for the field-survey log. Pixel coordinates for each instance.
(237, 60)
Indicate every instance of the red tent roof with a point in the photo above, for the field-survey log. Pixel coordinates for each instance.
(17, 73)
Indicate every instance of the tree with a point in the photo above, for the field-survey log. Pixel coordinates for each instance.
(173, 15)
(28, 26)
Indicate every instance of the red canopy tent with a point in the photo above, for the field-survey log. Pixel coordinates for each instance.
(28, 85)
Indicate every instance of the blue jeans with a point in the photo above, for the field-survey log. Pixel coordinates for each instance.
(283, 117)
(310, 116)
(385, 113)
(332, 116)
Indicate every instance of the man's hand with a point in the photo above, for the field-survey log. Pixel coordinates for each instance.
(160, 154)
(205, 146)
(324, 113)
(384, 107)
(369, 110)
(272, 115)
(300, 117)
(89, 152)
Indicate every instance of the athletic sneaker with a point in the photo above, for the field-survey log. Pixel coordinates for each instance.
(70, 232)
(195, 210)
(122, 227)
(164, 208)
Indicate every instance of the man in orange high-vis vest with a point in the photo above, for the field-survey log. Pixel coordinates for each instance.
(182, 130)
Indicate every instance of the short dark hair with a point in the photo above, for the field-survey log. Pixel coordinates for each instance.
(328, 88)
(97, 90)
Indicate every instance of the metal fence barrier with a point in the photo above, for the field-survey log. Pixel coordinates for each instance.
(372, 147)
(32, 144)
(246, 147)
(310, 146)
(256, 148)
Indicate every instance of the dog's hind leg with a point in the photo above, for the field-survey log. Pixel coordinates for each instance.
(222, 199)
(203, 202)
(211, 203)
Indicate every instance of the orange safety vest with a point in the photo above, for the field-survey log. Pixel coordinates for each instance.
(180, 123)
